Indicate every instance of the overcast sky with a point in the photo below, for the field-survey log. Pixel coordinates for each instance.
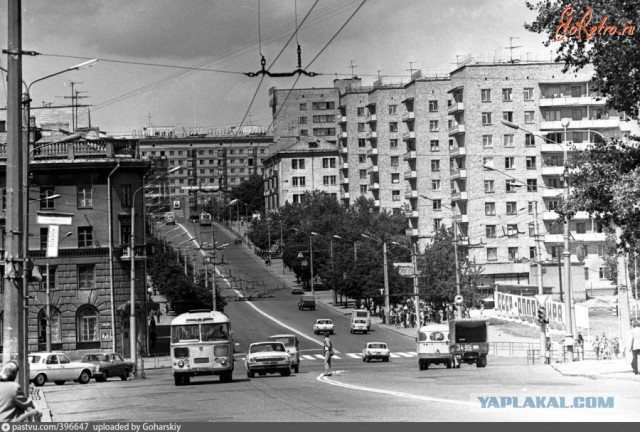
(132, 37)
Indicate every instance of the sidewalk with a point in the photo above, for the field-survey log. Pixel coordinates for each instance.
(619, 369)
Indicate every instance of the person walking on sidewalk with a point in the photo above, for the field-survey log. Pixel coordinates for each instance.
(635, 346)
(328, 353)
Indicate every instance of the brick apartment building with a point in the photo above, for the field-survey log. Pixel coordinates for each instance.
(436, 149)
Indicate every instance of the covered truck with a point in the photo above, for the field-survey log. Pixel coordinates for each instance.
(468, 341)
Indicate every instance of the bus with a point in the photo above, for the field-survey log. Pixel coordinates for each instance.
(205, 218)
(201, 344)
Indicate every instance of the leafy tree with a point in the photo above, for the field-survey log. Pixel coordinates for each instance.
(251, 192)
(615, 58)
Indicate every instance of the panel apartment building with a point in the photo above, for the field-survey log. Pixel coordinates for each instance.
(437, 150)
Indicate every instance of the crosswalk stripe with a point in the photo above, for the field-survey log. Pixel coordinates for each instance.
(393, 355)
(337, 357)
(319, 356)
(406, 354)
(308, 357)
(352, 355)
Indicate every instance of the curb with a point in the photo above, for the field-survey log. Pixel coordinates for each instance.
(37, 395)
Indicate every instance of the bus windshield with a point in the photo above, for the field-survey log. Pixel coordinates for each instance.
(196, 332)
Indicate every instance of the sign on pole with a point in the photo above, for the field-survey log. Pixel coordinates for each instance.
(542, 299)
(53, 235)
(300, 255)
(50, 218)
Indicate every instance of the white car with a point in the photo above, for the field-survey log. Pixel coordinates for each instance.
(58, 368)
(359, 325)
(323, 326)
(375, 350)
(267, 357)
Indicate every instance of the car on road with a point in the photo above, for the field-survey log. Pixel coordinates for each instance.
(109, 365)
(358, 325)
(291, 345)
(323, 325)
(267, 357)
(375, 350)
(297, 290)
(307, 302)
(57, 367)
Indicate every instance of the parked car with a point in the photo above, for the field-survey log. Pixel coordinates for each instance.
(57, 367)
(323, 326)
(375, 350)
(291, 345)
(109, 365)
(358, 325)
(267, 357)
(307, 302)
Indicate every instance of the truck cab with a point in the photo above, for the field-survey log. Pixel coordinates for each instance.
(468, 342)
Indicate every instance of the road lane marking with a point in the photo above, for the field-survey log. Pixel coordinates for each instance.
(308, 357)
(355, 356)
(407, 354)
(325, 379)
(394, 355)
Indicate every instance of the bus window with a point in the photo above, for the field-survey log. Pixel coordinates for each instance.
(214, 332)
(185, 333)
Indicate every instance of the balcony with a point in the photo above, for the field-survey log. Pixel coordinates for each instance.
(344, 180)
(551, 192)
(458, 151)
(411, 135)
(372, 118)
(345, 195)
(344, 150)
(371, 135)
(455, 107)
(414, 214)
(461, 218)
(81, 150)
(410, 175)
(343, 119)
(553, 170)
(550, 216)
(559, 148)
(411, 194)
(374, 186)
(408, 116)
(459, 196)
(410, 155)
(613, 122)
(376, 203)
(345, 165)
(456, 128)
(372, 169)
(341, 135)
(589, 237)
(458, 174)
(372, 152)
(412, 232)
(553, 238)
(140, 252)
(571, 101)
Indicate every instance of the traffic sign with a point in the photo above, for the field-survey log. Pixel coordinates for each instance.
(542, 299)
(580, 253)
(458, 300)
(300, 255)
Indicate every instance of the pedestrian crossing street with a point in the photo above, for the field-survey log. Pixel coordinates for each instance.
(352, 356)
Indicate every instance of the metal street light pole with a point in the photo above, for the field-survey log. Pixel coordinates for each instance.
(132, 298)
(386, 276)
(567, 252)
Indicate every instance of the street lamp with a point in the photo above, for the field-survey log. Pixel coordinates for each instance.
(132, 310)
(386, 275)
(416, 292)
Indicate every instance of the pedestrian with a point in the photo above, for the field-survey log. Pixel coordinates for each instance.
(596, 347)
(615, 346)
(482, 309)
(328, 353)
(635, 346)
(13, 402)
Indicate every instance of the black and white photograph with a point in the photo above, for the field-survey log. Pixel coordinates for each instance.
(318, 211)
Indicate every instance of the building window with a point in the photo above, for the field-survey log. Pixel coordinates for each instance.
(532, 229)
(435, 165)
(437, 223)
(528, 93)
(302, 120)
(486, 118)
(56, 332)
(512, 208)
(490, 209)
(509, 162)
(433, 125)
(297, 164)
(485, 95)
(363, 174)
(393, 109)
(393, 144)
(360, 111)
(328, 162)
(324, 131)
(51, 276)
(362, 158)
(529, 117)
(45, 204)
(513, 254)
(395, 178)
(604, 273)
(324, 119)
(435, 145)
(304, 132)
(492, 254)
(44, 233)
(532, 252)
(511, 185)
(506, 95)
(395, 195)
(298, 181)
(125, 231)
(556, 252)
(360, 127)
(487, 163)
(531, 162)
(531, 205)
(490, 231)
(363, 189)
(489, 186)
(393, 127)
(507, 115)
(362, 143)
(508, 140)
(437, 205)
(532, 185)
(487, 141)
(581, 228)
(85, 237)
(433, 106)
(86, 276)
(88, 327)
(512, 229)
(395, 161)
(323, 105)
(303, 107)
(329, 180)
(435, 185)
(85, 197)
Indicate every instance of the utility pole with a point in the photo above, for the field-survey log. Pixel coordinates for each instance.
(543, 330)
(14, 328)
(73, 104)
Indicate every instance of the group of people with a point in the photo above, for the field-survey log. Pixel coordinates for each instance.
(404, 315)
(605, 348)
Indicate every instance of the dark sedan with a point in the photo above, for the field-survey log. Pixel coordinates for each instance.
(109, 365)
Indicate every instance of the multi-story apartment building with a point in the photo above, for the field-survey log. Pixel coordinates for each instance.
(90, 278)
(437, 149)
(297, 167)
(211, 159)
